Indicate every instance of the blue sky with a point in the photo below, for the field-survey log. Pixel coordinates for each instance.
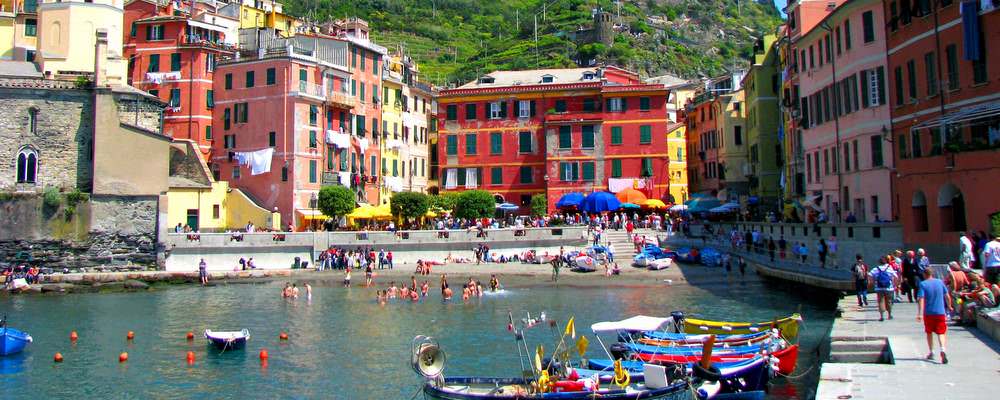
(781, 6)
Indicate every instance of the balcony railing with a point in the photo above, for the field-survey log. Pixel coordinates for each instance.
(203, 41)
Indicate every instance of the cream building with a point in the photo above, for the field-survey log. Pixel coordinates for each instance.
(66, 38)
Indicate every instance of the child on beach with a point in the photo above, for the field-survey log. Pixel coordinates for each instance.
(347, 277)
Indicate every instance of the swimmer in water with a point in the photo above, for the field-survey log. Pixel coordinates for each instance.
(295, 291)
(494, 283)
(309, 292)
(424, 288)
(287, 290)
(465, 294)
(347, 277)
(414, 296)
(392, 290)
(404, 292)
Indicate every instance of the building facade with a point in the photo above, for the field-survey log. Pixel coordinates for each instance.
(676, 152)
(845, 114)
(552, 132)
(942, 89)
(702, 145)
(419, 118)
(766, 156)
(734, 159)
(65, 39)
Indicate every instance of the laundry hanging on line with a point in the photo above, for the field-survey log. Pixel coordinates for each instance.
(258, 161)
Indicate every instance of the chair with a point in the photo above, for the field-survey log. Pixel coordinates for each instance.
(655, 376)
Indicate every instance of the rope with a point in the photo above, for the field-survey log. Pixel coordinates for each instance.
(420, 389)
(797, 376)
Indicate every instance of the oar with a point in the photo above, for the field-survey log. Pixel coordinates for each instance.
(706, 352)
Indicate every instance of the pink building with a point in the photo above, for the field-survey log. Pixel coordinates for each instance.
(841, 69)
(291, 96)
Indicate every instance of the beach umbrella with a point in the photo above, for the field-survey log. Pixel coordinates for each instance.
(365, 211)
(654, 203)
(725, 208)
(597, 202)
(701, 204)
(678, 208)
(508, 207)
(631, 196)
(572, 199)
(382, 212)
(430, 214)
(629, 205)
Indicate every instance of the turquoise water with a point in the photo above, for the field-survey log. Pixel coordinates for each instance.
(342, 344)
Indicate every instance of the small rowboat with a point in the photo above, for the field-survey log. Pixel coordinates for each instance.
(788, 326)
(787, 358)
(12, 341)
(228, 340)
(698, 340)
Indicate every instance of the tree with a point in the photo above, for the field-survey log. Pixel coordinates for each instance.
(539, 205)
(335, 201)
(475, 204)
(444, 201)
(409, 204)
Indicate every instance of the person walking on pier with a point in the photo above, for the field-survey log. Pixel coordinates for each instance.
(932, 297)
(203, 272)
(964, 251)
(884, 280)
(991, 260)
(860, 271)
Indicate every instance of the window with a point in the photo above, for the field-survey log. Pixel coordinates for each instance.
(911, 79)
(226, 116)
(644, 103)
(374, 165)
(645, 134)
(175, 61)
(951, 53)
(154, 63)
(236, 172)
(526, 175)
(901, 142)
(210, 98)
(229, 77)
(241, 112)
(154, 32)
(470, 112)
(175, 98)
(828, 48)
(847, 156)
(647, 167)
(680, 155)
(313, 115)
(898, 72)
(587, 136)
(312, 140)
(565, 137)
(868, 26)
(525, 108)
(312, 171)
(738, 135)
(498, 110)
(451, 148)
(589, 105)
(452, 113)
(270, 76)
(808, 167)
(547, 78)
(812, 60)
(930, 70)
(916, 150)
(616, 168)
(569, 171)
(847, 34)
(616, 104)
(496, 175)
(524, 142)
(272, 139)
(979, 73)
(470, 144)
(616, 135)
(826, 161)
(27, 166)
(496, 143)
(893, 17)
(395, 167)
(587, 168)
(837, 37)
(560, 106)
(208, 132)
(210, 62)
(33, 120)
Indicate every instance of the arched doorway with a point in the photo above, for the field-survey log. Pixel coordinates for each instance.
(951, 206)
(918, 207)
(498, 198)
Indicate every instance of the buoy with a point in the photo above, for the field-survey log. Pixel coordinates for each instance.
(190, 336)
(130, 335)
(190, 357)
(57, 358)
(283, 336)
(263, 355)
(73, 336)
(123, 357)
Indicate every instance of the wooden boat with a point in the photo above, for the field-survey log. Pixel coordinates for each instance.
(787, 357)
(788, 326)
(228, 340)
(743, 376)
(485, 388)
(12, 341)
(686, 339)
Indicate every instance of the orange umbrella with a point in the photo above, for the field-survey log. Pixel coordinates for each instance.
(631, 196)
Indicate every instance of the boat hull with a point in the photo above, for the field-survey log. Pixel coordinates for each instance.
(228, 340)
(787, 358)
(13, 341)
(454, 386)
(788, 326)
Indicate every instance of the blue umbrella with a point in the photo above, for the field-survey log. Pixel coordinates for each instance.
(507, 207)
(599, 202)
(572, 199)
(701, 204)
(630, 205)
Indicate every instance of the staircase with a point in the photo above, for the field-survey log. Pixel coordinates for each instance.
(623, 245)
(864, 350)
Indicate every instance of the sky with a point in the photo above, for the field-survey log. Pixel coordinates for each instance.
(781, 6)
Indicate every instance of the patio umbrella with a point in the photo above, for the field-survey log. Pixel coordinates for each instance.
(571, 199)
(382, 212)
(701, 204)
(725, 208)
(654, 203)
(597, 202)
(631, 196)
(508, 207)
(629, 205)
(678, 208)
(430, 214)
(365, 211)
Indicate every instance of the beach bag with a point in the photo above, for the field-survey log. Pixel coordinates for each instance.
(883, 280)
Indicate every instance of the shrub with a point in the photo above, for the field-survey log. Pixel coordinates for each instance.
(51, 198)
(335, 201)
(475, 204)
(539, 205)
(409, 204)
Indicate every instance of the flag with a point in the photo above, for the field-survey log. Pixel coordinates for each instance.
(581, 345)
(570, 328)
(538, 357)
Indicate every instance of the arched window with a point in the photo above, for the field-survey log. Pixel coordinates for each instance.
(951, 204)
(919, 211)
(27, 166)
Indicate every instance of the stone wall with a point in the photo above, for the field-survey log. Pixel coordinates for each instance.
(106, 230)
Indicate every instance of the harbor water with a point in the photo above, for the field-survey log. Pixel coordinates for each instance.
(342, 344)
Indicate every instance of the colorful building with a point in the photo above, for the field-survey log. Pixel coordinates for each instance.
(734, 159)
(702, 145)
(289, 98)
(265, 14)
(394, 142)
(845, 114)
(65, 37)
(765, 154)
(419, 118)
(676, 142)
(943, 89)
(172, 54)
(715, 119)
(553, 131)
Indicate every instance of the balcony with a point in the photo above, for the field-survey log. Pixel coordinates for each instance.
(323, 94)
(340, 99)
(206, 43)
(574, 116)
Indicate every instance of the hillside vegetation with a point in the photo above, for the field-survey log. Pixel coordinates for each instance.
(454, 41)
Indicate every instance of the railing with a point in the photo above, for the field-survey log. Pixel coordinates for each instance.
(341, 98)
(202, 41)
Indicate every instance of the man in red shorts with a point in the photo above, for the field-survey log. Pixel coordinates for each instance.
(932, 297)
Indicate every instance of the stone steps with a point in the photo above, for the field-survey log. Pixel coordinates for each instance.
(860, 350)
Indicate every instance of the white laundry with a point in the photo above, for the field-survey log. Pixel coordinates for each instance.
(394, 183)
(345, 178)
(471, 181)
(451, 178)
(363, 144)
(339, 139)
(393, 144)
(241, 159)
(616, 185)
(258, 161)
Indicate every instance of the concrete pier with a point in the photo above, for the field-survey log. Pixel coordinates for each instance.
(886, 360)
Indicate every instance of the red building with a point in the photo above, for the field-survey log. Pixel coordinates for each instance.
(554, 131)
(945, 118)
(703, 145)
(172, 54)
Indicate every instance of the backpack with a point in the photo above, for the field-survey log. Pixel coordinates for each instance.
(860, 271)
(883, 280)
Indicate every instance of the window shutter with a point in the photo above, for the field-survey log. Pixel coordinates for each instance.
(624, 104)
(503, 109)
(880, 72)
(517, 108)
(149, 32)
(607, 105)
(532, 108)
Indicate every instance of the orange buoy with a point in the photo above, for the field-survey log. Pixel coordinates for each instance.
(58, 357)
(190, 357)
(283, 336)
(123, 357)
(130, 335)
(190, 336)
(263, 355)
(73, 336)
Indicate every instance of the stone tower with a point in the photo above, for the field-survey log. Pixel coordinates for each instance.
(604, 28)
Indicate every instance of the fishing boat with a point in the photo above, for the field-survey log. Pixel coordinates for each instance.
(482, 388)
(12, 341)
(688, 339)
(788, 326)
(228, 340)
(787, 357)
(741, 376)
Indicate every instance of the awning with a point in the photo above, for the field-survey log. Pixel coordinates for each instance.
(979, 111)
(638, 323)
(205, 25)
(309, 215)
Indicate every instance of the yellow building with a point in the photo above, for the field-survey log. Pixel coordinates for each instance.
(676, 143)
(204, 204)
(18, 30)
(392, 130)
(263, 14)
(66, 38)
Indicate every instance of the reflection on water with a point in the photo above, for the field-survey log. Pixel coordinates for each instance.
(343, 345)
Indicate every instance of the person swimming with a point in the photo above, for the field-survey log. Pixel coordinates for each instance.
(494, 283)
(404, 292)
(424, 288)
(392, 290)
(309, 291)
(286, 292)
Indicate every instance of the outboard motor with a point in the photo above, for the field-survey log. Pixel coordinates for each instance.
(678, 317)
(619, 351)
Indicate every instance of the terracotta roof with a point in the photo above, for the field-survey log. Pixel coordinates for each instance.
(559, 76)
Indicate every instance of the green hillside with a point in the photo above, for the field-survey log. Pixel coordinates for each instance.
(456, 40)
